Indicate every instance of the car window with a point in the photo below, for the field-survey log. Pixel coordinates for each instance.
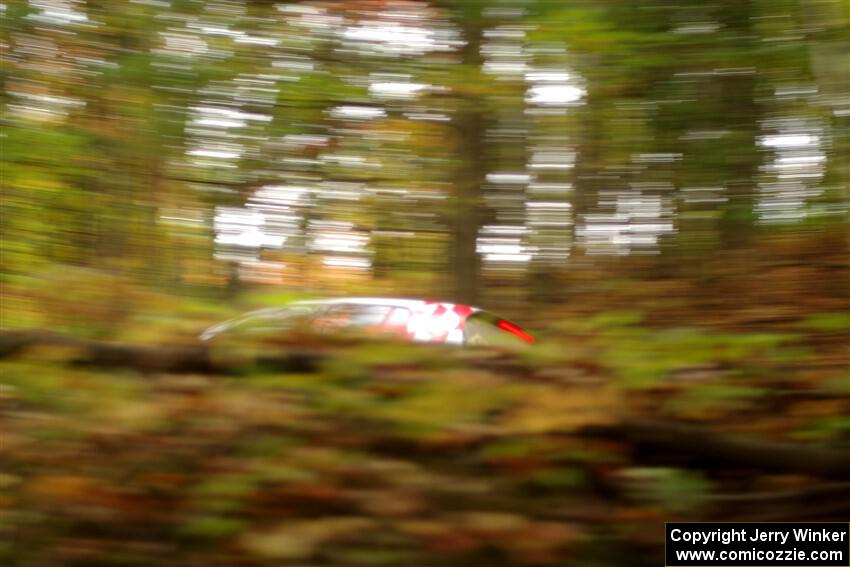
(352, 316)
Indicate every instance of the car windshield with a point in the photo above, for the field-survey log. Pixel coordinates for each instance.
(484, 328)
(262, 321)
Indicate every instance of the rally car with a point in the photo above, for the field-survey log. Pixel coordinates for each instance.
(409, 319)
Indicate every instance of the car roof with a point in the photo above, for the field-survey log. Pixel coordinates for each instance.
(381, 301)
(424, 315)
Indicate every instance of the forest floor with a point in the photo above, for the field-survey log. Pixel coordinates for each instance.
(667, 399)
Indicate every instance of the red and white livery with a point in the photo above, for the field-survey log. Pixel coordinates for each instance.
(412, 319)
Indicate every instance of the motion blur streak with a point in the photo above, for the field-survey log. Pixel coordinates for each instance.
(657, 191)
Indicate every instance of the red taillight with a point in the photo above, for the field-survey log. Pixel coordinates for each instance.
(514, 330)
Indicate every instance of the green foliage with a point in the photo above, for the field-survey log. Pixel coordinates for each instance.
(644, 357)
(674, 490)
(827, 322)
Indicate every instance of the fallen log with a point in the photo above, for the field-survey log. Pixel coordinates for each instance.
(687, 445)
(818, 502)
(194, 359)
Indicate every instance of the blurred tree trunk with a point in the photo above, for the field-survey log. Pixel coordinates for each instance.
(740, 111)
(589, 161)
(466, 219)
(828, 49)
